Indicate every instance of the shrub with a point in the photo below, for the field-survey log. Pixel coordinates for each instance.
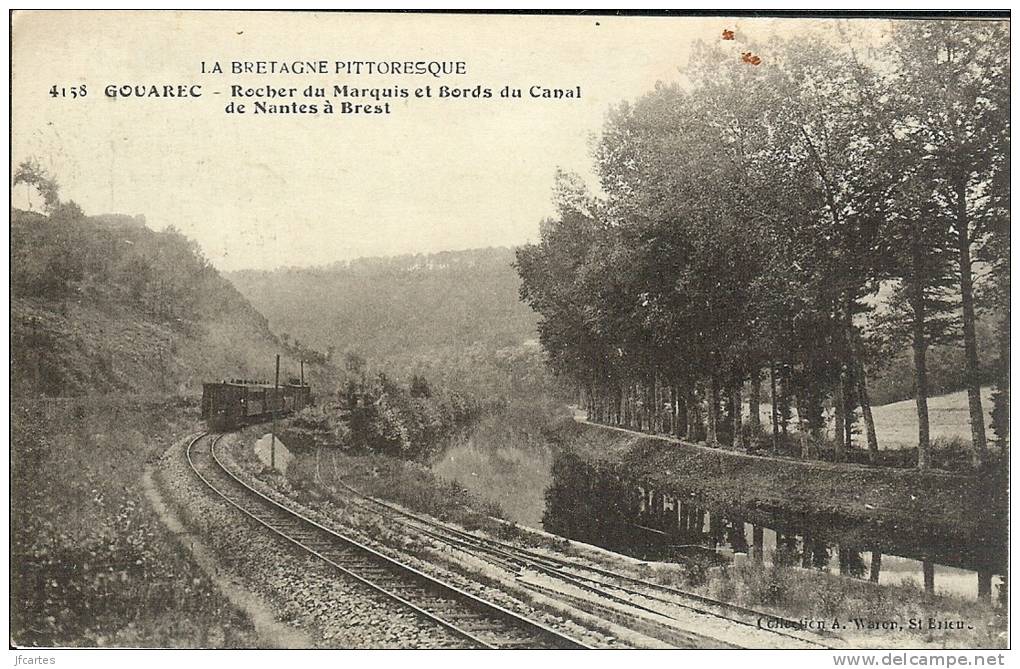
(722, 588)
(91, 563)
(830, 597)
(762, 584)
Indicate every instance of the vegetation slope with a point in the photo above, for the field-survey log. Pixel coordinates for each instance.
(104, 304)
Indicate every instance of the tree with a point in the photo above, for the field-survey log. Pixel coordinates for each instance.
(922, 301)
(996, 297)
(759, 215)
(957, 75)
(551, 282)
(34, 175)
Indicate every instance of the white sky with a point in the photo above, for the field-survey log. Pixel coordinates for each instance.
(264, 191)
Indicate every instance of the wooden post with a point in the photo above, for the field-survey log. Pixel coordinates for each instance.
(876, 565)
(276, 400)
(302, 373)
(775, 409)
(929, 576)
(736, 404)
(758, 543)
(37, 351)
(985, 584)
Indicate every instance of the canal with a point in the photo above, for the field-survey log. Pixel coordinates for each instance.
(600, 505)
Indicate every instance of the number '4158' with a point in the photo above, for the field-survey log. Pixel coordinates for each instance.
(78, 91)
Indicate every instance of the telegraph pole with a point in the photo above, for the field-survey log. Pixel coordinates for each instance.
(36, 350)
(276, 399)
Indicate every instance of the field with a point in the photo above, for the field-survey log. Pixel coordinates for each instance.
(91, 563)
(896, 423)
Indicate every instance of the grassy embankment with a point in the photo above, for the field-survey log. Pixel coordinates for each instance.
(900, 500)
(728, 478)
(91, 563)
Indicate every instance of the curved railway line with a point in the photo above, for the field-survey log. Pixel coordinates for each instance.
(613, 586)
(480, 623)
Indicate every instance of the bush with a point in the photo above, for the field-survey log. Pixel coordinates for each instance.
(91, 563)
(762, 584)
(316, 427)
(384, 417)
(722, 588)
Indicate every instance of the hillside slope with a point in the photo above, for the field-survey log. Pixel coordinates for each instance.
(396, 309)
(105, 304)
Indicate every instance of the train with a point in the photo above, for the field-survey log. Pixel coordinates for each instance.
(229, 405)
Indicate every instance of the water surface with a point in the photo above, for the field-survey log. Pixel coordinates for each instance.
(515, 478)
(565, 495)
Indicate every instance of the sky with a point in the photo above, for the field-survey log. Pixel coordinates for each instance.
(264, 191)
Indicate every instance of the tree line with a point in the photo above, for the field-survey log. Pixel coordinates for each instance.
(790, 219)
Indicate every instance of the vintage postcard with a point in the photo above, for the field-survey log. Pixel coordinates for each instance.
(422, 330)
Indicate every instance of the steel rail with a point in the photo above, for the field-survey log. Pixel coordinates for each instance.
(493, 616)
(503, 552)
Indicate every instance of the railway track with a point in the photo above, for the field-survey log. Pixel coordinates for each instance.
(480, 623)
(613, 586)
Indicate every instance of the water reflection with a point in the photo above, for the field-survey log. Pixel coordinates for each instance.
(601, 505)
(264, 451)
(515, 478)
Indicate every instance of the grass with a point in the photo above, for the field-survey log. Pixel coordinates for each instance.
(91, 563)
(896, 430)
(774, 587)
(896, 423)
(731, 479)
(407, 483)
(808, 594)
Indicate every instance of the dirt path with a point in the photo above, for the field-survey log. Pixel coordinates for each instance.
(271, 633)
(822, 465)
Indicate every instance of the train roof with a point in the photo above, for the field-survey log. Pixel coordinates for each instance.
(246, 384)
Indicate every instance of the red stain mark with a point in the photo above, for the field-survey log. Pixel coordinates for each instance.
(750, 58)
(728, 35)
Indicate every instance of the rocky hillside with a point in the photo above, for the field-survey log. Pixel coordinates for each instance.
(104, 304)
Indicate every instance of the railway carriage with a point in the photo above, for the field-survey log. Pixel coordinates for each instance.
(228, 405)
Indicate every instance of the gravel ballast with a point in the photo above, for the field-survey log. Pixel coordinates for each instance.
(337, 611)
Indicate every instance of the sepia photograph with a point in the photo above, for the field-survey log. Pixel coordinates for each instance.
(510, 330)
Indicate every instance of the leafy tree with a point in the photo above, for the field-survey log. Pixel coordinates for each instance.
(957, 77)
(794, 216)
(33, 175)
